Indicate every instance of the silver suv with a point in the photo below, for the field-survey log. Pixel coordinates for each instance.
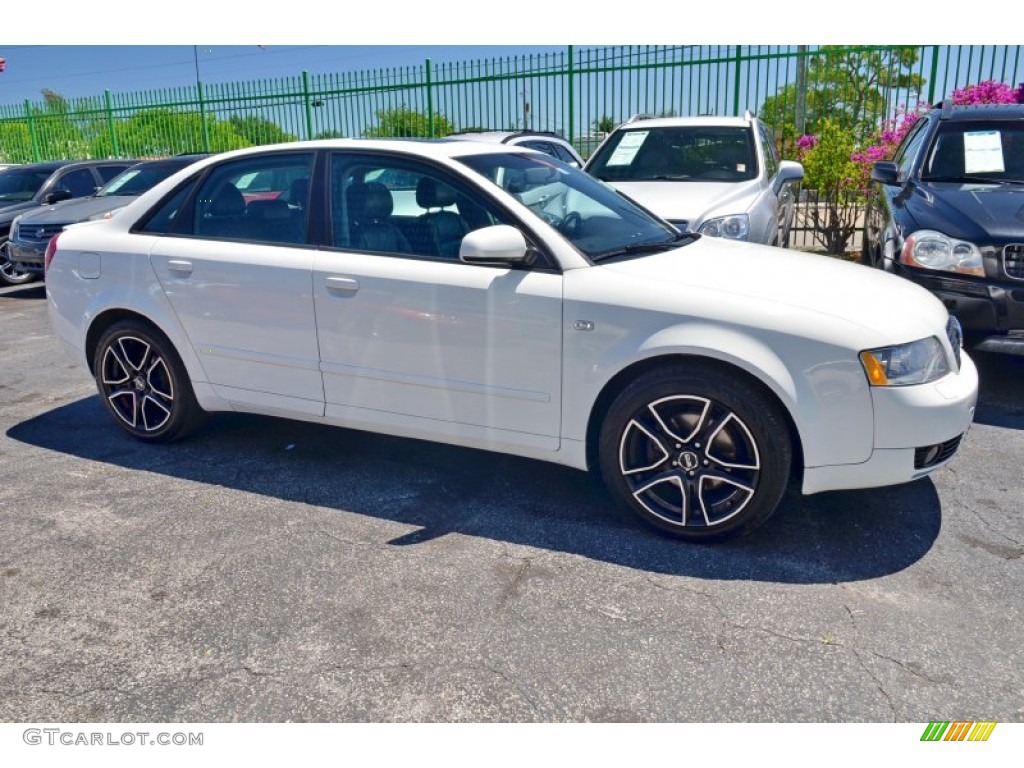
(719, 176)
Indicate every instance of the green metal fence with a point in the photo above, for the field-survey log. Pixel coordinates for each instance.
(579, 93)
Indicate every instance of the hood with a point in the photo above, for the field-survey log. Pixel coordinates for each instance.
(979, 213)
(71, 211)
(690, 200)
(11, 212)
(816, 296)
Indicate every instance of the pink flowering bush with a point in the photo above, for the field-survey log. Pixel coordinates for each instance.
(988, 92)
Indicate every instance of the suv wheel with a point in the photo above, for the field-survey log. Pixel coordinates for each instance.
(696, 453)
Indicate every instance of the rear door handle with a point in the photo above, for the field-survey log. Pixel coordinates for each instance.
(342, 285)
(180, 266)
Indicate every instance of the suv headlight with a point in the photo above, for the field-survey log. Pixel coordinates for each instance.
(918, 362)
(735, 227)
(934, 250)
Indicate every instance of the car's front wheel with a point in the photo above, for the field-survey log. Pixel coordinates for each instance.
(143, 383)
(9, 273)
(696, 452)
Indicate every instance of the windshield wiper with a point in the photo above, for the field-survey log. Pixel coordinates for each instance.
(635, 248)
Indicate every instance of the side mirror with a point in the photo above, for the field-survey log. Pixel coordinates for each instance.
(886, 173)
(788, 171)
(56, 196)
(497, 246)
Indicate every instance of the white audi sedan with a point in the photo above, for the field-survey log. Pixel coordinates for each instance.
(490, 296)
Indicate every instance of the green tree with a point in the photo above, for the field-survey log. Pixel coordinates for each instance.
(849, 87)
(405, 122)
(836, 188)
(257, 130)
(605, 124)
(15, 142)
(58, 134)
(162, 132)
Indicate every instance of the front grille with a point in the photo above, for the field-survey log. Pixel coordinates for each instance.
(930, 455)
(1013, 261)
(39, 234)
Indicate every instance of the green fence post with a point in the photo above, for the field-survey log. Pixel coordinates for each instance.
(430, 103)
(935, 74)
(202, 117)
(309, 105)
(32, 131)
(110, 123)
(572, 100)
(736, 84)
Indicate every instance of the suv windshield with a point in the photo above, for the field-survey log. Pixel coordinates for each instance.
(984, 151)
(677, 153)
(18, 186)
(595, 218)
(135, 181)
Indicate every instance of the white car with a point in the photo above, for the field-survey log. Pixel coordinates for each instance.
(719, 176)
(522, 307)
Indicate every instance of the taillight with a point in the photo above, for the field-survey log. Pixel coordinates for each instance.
(51, 250)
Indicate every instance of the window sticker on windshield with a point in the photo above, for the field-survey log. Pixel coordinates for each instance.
(741, 167)
(983, 152)
(628, 147)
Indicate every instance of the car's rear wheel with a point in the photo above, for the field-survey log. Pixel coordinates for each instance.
(9, 273)
(143, 383)
(696, 452)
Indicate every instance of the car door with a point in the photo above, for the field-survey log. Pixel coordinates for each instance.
(414, 341)
(238, 273)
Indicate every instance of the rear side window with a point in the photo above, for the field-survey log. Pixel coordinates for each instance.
(162, 221)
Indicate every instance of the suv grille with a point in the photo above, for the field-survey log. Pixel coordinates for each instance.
(40, 234)
(1013, 261)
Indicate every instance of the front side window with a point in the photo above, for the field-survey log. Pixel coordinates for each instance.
(248, 200)
(907, 151)
(79, 183)
(678, 153)
(595, 218)
(393, 205)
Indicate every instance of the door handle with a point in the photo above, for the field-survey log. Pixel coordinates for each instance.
(180, 266)
(343, 285)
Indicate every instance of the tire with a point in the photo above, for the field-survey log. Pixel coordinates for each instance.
(696, 453)
(143, 383)
(9, 274)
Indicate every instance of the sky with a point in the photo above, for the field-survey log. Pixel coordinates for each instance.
(255, 43)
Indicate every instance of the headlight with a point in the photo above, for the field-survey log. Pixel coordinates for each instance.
(915, 363)
(933, 250)
(733, 227)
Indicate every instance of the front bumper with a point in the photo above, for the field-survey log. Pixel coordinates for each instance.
(27, 256)
(917, 431)
(981, 305)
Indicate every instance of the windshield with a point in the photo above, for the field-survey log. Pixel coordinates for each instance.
(135, 181)
(677, 153)
(984, 151)
(17, 186)
(595, 218)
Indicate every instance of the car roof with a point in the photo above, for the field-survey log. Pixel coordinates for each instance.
(502, 137)
(49, 165)
(968, 112)
(673, 122)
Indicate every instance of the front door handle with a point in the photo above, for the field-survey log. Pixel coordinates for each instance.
(342, 285)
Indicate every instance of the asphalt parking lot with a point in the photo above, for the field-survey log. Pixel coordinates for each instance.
(275, 571)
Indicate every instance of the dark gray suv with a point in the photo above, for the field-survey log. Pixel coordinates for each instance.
(26, 187)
